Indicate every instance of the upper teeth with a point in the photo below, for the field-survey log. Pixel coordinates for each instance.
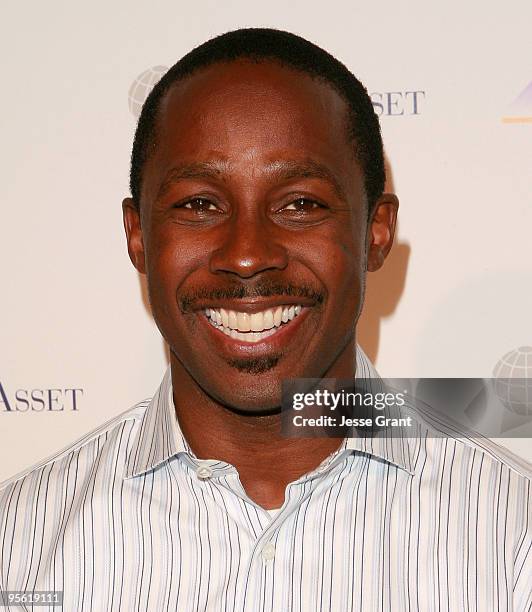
(256, 322)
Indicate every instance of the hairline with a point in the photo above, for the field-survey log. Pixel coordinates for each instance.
(152, 143)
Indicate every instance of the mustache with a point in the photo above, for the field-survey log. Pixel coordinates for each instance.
(188, 300)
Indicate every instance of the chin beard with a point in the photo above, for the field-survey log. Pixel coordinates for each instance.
(257, 365)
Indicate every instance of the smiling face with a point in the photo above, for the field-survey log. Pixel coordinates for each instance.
(253, 231)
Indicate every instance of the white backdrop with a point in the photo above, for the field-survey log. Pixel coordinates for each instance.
(455, 296)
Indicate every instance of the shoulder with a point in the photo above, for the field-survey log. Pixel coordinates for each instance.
(88, 447)
(500, 454)
(437, 426)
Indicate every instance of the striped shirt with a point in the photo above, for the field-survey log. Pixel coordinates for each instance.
(128, 519)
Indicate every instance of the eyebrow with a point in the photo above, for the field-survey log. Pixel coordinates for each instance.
(192, 170)
(308, 168)
(283, 170)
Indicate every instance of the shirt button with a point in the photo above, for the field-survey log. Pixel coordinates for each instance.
(268, 552)
(204, 472)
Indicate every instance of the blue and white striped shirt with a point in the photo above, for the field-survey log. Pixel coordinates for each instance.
(128, 519)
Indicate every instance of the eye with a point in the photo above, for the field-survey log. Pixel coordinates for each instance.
(199, 205)
(303, 205)
(300, 211)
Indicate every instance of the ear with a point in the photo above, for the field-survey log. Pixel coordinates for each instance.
(135, 244)
(381, 230)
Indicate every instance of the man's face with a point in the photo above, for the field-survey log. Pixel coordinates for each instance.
(253, 231)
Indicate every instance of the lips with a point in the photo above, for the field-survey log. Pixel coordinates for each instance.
(252, 327)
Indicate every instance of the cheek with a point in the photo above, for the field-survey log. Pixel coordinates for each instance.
(337, 261)
(172, 255)
(165, 266)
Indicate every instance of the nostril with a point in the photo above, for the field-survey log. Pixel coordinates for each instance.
(248, 260)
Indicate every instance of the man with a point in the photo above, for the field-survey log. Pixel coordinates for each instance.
(257, 207)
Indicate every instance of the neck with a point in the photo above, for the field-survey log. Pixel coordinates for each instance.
(266, 462)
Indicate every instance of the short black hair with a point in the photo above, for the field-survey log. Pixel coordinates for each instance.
(287, 49)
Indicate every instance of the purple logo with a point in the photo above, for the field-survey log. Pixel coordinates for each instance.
(520, 110)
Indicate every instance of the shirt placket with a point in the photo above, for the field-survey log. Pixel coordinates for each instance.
(258, 577)
(270, 547)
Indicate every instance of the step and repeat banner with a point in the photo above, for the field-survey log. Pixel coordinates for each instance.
(452, 85)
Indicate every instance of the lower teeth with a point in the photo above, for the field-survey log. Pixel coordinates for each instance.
(246, 336)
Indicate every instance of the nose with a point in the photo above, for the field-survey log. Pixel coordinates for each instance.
(249, 246)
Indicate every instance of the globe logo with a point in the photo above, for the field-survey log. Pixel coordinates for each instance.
(141, 87)
(513, 380)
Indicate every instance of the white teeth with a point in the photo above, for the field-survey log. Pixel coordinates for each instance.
(256, 321)
(225, 317)
(252, 336)
(243, 321)
(268, 319)
(251, 327)
(277, 316)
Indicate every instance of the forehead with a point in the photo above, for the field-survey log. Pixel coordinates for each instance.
(245, 110)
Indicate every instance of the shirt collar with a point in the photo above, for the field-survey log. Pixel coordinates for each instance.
(394, 449)
(159, 436)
